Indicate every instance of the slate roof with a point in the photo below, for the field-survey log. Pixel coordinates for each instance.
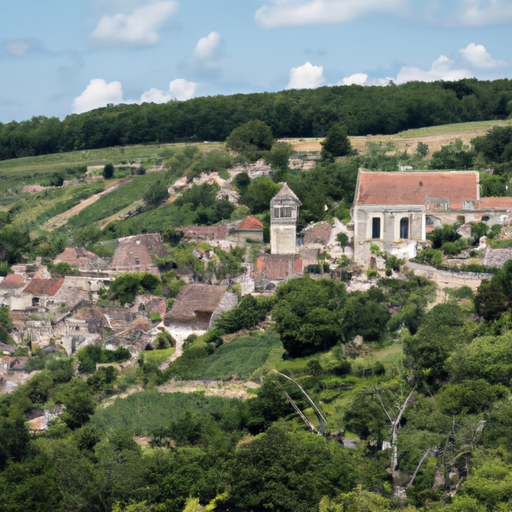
(286, 194)
(251, 223)
(194, 298)
(44, 286)
(12, 281)
(137, 250)
(416, 188)
(320, 234)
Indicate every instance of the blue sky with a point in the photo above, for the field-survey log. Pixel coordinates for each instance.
(58, 57)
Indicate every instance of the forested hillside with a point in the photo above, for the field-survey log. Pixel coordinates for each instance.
(293, 113)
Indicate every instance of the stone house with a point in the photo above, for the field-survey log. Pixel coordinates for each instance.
(134, 253)
(249, 229)
(197, 306)
(396, 210)
(80, 258)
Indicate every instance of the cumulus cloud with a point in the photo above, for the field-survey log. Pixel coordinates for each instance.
(441, 69)
(98, 94)
(477, 55)
(356, 79)
(207, 47)
(205, 61)
(306, 77)
(481, 13)
(284, 13)
(140, 28)
(179, 89)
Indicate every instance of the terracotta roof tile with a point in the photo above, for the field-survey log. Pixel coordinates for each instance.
(77, 257)
(417, 188)
(495, 202)
(11, 281)
(44, 286)
(251, 223)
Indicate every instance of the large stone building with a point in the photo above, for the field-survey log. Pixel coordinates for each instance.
(396, 210)
(284, 212)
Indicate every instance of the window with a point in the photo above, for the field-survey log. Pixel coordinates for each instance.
(404, 227)
(486, 218)
(282, 212)
(376, 227)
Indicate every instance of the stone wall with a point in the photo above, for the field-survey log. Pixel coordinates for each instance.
(447, 279)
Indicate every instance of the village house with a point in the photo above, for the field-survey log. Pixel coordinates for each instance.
(134, 253)
(197, 306)
(80, 258)
(395, 211)
(250, 229)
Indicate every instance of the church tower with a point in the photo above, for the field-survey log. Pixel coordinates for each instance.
(284, 212)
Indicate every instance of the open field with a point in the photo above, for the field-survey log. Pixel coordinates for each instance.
(434, 137)
(19, 172)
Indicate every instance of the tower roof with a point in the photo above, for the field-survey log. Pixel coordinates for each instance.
(286, 194)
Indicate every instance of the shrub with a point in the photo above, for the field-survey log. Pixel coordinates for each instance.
(108, 171)
(342, 239)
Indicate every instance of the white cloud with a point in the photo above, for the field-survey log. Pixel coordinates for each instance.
(204, 63)
(136, 29)
(441, 69)
(481, 13)
(179, 89)
(356, 79)
(18, 48)
(207, 47)
(285, 13)
(306, 77)
(97, 94)
(479, 57)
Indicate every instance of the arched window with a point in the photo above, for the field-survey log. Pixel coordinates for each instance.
(404, 227)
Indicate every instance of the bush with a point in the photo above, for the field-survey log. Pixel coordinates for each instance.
(342, 239)
(108, 171)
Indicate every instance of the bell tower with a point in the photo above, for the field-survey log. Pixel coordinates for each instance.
(284, 212)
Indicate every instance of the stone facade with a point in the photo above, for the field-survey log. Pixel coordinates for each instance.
(396, 211)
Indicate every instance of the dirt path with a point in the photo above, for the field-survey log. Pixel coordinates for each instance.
(211, 388)
(62, 218)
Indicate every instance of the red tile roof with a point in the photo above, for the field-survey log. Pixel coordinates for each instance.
(251, 223)
(495, 202)
(11, 281)
(44, 286)
(417, 188)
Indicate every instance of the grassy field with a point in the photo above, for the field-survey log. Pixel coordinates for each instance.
(32, 211)
(455, 128)
(115, 201)
(17, 173)
(142, 413)
(158, 356)
(241, 357)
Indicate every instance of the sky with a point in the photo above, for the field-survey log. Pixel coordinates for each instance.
(60, 57)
